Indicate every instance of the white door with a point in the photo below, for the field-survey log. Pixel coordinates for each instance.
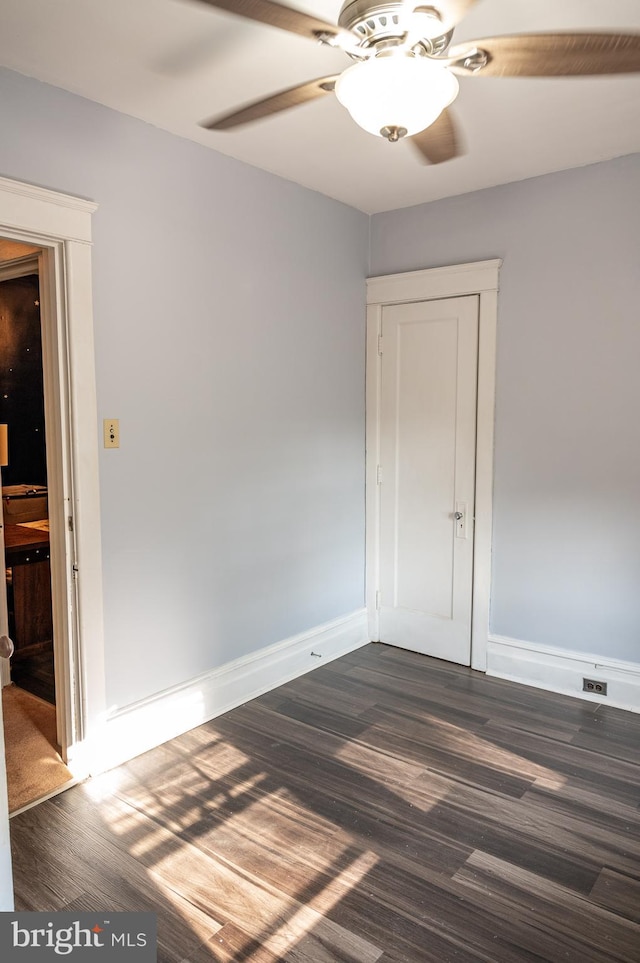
(6, 878)
(428, 398)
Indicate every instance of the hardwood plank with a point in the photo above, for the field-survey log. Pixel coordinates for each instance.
(104, 875)
(388, 808)
(39, 883)
(334, 809)
(453, 697)
(618, 893)
(385, 766)
(326, 688)
(593, 807)
(217, 887)
(231, 945)
(568, 932)
(181, 928)
(454, 751)
(608, 741)
(616, 779)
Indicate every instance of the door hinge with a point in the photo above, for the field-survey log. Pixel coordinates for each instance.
(70, 521)
(74, 569)
(379, 344)
(378, 600)
(379, 475)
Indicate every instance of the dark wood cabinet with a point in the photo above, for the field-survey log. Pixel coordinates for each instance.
(29, 596)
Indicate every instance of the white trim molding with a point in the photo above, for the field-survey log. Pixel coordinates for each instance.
(60, 226)
(43, 214)
(560, 670)
(19, 268)
(482, 279)
(431, 283)
(148, 723)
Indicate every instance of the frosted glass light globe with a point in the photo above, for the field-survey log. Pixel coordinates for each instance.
(396, 91)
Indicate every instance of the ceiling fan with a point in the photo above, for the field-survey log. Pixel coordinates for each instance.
(404, 75)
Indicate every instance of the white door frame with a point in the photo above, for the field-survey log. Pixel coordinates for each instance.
(61, 226)
(480, 278)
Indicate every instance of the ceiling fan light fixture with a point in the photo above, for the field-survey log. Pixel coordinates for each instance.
(396, 91)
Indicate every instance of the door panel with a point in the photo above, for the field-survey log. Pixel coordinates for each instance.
(427, 445)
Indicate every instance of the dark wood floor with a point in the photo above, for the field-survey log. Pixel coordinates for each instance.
(387, 808)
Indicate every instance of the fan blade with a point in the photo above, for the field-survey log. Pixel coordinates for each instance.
(439, 142)
(451, 12)
(283, 100)
(277, 15)
(556, 54)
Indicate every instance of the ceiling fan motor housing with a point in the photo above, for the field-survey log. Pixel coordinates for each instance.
(376, 23)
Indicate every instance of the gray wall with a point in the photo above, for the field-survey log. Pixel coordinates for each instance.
(566, 564)
(229, 318)
(230, 343)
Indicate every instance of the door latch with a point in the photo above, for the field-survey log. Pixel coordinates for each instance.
(460, 516)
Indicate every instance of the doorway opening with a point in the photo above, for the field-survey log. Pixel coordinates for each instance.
(35, 767)
(59, 227)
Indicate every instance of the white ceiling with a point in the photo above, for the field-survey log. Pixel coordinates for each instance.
(176, 62)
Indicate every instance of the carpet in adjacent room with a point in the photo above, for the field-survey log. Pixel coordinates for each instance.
(34, 765)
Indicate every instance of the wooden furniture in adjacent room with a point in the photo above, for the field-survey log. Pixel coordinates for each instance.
(27, 557)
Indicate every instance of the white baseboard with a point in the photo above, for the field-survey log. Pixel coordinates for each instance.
(559, 670)
(150, 722)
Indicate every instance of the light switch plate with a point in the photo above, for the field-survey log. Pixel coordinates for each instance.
(111, 428)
